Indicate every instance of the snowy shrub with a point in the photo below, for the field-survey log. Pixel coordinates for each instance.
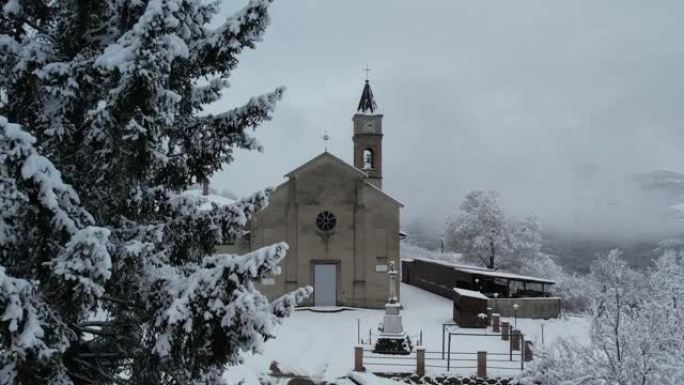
(102, 128)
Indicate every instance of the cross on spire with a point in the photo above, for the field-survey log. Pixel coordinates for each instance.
(325, 138)
(367, 70)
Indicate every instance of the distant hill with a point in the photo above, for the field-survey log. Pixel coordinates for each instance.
(666, 190)
(662, 184)
(575, 252)
(660, 206)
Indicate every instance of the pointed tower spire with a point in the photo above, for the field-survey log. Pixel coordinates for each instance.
(368, 137)
(367, 103)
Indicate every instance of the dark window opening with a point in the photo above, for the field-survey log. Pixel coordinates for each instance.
(326, 221)
(368, 159)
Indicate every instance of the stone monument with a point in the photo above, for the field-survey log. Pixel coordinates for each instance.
(393, 338)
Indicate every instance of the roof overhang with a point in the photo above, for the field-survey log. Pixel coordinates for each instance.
(327, 156)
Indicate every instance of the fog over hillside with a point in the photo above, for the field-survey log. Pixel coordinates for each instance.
(633, 214)
(567, 108)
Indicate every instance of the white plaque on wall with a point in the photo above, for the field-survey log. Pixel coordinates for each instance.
(381, 268)
(268, 281)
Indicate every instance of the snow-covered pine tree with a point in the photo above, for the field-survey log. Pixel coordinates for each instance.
(107, 273)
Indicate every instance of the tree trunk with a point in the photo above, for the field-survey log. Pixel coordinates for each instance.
(492, 254)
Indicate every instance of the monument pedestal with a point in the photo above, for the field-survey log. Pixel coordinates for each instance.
(391, 322)
(393, 338)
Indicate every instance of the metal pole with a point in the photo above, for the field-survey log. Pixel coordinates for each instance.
(442, 341)
(542, 326)
(515, 314)
(370, 340)
(522, 351)
(449, 357)
(510, 346)
(358, 330)
(421, 337)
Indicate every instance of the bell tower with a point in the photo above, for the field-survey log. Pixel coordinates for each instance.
(368, 137)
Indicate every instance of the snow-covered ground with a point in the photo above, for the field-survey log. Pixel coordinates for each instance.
(321, 345)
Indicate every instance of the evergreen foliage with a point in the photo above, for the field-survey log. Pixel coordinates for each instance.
(107, 273)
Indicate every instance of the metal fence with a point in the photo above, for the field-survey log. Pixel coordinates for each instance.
(395, 362)
(419, 359)
(446, 361)
(516, 341)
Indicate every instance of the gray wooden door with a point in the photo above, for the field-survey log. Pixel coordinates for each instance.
(325, 284)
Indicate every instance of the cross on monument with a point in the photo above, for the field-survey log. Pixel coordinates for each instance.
(367, 70)
(325, 138)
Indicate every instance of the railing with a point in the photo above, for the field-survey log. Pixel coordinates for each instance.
(519, 352)
(394, 361)
(420, 359)
(516, 342)
(504, 330)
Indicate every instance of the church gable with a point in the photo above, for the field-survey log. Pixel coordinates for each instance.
(327, 160)
(325, 180)
(327, 177)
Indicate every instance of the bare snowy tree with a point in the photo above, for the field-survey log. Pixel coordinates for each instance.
(479, 230)
(485, 236)
(635, 333)
(526, 241)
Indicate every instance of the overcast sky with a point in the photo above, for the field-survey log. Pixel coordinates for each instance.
(551, 103)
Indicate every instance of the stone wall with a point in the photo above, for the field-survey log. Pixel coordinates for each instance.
(542, 307)
(433, 277)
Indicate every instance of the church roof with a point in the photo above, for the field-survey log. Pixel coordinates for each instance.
(345, 166)
(376, 189)
(367, 103)
(327, 155)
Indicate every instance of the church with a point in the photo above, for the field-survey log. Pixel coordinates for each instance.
(342, 228)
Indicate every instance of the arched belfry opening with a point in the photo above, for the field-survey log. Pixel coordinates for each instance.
(368, 159)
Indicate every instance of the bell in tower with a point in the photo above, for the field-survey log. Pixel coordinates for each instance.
(368, 137)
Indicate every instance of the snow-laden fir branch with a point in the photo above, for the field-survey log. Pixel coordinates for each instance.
(100, 132)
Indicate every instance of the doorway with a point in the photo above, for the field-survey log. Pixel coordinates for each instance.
(325, 284)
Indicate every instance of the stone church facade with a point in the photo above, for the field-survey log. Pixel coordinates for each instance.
(342, 229)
